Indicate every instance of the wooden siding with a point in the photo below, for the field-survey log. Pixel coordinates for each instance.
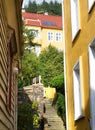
(6, 116)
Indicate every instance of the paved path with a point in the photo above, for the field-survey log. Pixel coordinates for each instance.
(53, 121)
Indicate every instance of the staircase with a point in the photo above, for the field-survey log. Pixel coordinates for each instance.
(54, 122)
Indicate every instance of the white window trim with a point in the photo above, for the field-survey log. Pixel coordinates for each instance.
(53, 36)
(90, 5)
(74, 20)
(91, 49)
(77, 92)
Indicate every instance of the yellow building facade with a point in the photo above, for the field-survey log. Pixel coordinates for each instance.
(48, 30)
(10, 48)
(79, 55)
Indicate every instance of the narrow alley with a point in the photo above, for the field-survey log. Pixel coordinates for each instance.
(53, 121)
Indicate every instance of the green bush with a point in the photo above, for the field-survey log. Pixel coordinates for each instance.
(28, 117)
(60, 105)
(25, 116)
(58, 81)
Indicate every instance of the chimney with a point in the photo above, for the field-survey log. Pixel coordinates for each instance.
(46, 13)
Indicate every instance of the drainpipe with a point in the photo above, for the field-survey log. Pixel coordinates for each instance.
(65, 66)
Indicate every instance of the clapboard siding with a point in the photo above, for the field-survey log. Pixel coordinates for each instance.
(9, 49)
(3, 95)
(3, 49)
(5, 115)
(3, 126)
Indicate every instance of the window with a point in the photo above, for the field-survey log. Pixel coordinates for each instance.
(90, 4)
(50, 36)
(37, 50)
(74, 18)
(92, 83)
(58, 37)
(77, 92)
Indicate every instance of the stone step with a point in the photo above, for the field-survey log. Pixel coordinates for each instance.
(54, 121)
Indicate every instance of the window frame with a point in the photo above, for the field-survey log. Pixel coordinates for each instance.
(90, 5)
(49, 37)
(77, 92)
(75, 27)
(91, 51)
(58, 37)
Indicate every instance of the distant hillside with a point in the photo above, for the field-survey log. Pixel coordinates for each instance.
(53, 8)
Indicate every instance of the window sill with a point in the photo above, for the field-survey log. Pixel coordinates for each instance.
(79, 118)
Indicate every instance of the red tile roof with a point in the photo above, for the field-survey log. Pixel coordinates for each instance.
(42, 20)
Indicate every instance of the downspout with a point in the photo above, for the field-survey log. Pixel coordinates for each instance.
(65, 65)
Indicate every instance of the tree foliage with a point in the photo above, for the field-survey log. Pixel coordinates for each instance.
(29, 61)
(28, 37)
(32, 6)
(60, 107)
(52, 75)
(28, 116)
(58, 81)
(30, 69)
(25, 116)
(53, 8)
(51, 64)
(60, 103)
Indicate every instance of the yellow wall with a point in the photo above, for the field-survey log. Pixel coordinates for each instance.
(43, 39)
(49, 92)
(74, 51)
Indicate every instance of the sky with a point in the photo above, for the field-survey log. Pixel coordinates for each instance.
(38, 1)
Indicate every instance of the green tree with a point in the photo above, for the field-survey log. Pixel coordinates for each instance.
(59, 100)
(51, 64)
(44, 5)
(29, 62)
(30, 68)
(28, 36)
(53, 8)
(58, 83)
(28, 115)
(60, 103)
(25, 116)
(57, 6)
(31, 7)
